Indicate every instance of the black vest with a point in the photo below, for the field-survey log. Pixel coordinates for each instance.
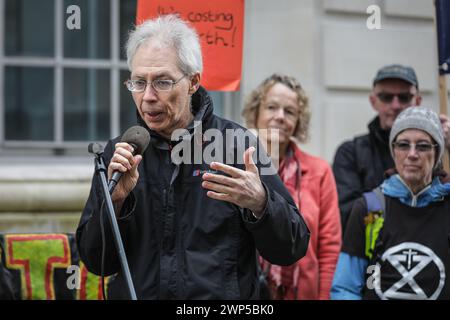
(412, 257)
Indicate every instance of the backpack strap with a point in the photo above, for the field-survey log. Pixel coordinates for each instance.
(376, 206)
(375, 200)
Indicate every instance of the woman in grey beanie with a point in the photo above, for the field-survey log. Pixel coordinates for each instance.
(401, 229)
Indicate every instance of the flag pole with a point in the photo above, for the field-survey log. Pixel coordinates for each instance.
(443, 109)
(443, 96)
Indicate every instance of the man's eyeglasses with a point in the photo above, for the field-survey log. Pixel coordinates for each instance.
(157, 84)
(422, 147)
(403, 98)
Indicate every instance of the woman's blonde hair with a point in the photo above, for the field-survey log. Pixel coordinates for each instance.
(257, 96)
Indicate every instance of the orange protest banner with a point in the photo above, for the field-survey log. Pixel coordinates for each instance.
(220, 25)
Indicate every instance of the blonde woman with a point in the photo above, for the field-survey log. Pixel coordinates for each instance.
(280, 103)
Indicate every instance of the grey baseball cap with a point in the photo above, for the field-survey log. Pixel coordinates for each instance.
(397, 71)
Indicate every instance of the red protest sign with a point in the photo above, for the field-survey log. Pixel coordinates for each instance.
(220, 25)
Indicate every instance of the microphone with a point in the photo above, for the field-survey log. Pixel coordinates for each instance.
(95, 148)
(139, 138)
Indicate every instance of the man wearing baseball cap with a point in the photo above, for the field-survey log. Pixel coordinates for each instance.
(359, 164)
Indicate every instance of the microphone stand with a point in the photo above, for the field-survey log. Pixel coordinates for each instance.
(101, 170)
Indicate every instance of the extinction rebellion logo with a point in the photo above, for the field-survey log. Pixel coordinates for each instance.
(410, 260)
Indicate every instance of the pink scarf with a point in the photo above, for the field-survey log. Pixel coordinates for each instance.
(282, 279)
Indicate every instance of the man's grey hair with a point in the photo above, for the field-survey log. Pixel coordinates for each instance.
(169, 31)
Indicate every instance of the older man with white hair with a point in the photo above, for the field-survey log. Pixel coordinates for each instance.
(190, 228)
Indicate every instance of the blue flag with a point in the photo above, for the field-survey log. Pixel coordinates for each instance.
(443, 34)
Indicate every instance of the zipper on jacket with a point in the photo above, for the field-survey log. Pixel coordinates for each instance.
(414, 197)
(414, 201)
(164, 198)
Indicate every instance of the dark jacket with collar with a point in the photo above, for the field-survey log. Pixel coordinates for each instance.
(180, 244)
(359, 166)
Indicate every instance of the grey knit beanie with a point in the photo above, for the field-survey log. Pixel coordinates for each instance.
(421, 118)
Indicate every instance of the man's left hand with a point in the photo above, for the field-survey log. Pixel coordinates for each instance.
(242, 187)
(445, 122)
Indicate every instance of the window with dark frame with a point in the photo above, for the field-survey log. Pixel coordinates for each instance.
(60, 88)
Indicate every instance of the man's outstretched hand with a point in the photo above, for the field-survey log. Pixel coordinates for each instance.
(242, 187)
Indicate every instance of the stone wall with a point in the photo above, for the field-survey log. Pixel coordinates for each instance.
(45, 197)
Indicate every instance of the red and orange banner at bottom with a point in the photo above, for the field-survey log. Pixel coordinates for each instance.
(48, 267)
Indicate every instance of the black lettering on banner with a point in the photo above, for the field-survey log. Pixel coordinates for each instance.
(222, 30)
(163, 11)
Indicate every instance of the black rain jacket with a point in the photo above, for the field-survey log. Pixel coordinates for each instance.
(359, 166)
(181, 244)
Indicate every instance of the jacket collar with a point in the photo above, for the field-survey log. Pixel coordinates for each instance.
(377, 133)
(395, 187)
(300, 156)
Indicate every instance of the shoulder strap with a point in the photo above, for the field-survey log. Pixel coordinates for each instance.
(374, 219)
(375, 200)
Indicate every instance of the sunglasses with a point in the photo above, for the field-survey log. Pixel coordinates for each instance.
(422, 147)
(403, 98)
